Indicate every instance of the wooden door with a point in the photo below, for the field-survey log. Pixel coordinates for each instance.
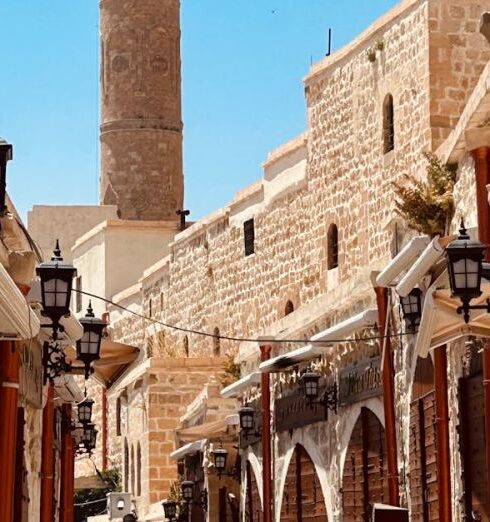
(253, 510)
(302, 498)
(365, 477)
(473, 444)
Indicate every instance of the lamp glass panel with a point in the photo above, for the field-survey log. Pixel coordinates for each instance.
(466, 274)
(84, 413)
(311, 388)
(247, 421)
(220, 461)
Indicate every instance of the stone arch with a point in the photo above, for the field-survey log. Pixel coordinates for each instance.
(253, 509)
(314, 452)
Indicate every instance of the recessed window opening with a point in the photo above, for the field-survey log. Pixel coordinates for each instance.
(118, 416)
(216, 343)
(186, 346)
(332, 247)
(289, 308)
(138, 470)
(249, 236)
(388, 124)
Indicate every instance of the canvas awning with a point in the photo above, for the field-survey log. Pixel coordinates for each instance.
(189, 449)
(114, 359)
(322, 340)
(440, 322)
(209, 430)
(236, 388)
(17, 319)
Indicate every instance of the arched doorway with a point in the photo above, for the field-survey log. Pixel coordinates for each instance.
(424, 491)
(365, 477)
(253, 509)
(473, 438)
(302, 498)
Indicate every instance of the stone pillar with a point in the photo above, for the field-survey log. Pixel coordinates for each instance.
(141, 127)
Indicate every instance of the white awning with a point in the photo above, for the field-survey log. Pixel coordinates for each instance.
(424, 263)
(440, 322)
(189, 449)
(235, 389)
(402, 260)
(328, 337)
(17, 319)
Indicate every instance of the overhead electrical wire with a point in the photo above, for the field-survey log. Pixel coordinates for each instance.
(239, 339)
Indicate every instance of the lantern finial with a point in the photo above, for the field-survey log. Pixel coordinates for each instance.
(57, 252)
(463, 233)
(90, 310)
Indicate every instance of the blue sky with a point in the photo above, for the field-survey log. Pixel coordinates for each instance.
(243, 61)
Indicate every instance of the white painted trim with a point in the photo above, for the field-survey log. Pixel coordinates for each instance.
(235, 389)
(256, 469)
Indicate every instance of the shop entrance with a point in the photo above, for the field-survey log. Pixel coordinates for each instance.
(472, 408)
(253, 510)
(303, 498)
(365, 478)
(424, 493)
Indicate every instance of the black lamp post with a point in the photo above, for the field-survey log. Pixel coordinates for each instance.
(220, 456)
(247, 419)
(412, 308)
(88, 347)
(464, 262)
(56, 281)
(85, 411)
(170, 510)
(5, 156)
(187, 489)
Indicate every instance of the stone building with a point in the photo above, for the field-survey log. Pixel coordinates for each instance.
(294, 256)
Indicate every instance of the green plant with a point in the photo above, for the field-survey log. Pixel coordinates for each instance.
(428, 206)
(231, 370)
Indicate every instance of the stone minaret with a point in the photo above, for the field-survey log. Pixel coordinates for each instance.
(141, 124)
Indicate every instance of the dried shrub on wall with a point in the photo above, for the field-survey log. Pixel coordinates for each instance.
(428, 206)
(231, 370)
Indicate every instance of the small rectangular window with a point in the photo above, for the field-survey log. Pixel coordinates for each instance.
(249, 236)
(78, 286)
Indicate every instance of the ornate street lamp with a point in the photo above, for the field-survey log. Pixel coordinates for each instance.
(54, 361)
(170, 510)
(56, 281)
(310, 383)
(220, 456)
(187, 489)
(88, 347)
(85, 411)
(89, 437)
(464, 262)
(5, 156)
(247, 419)
(412, 308)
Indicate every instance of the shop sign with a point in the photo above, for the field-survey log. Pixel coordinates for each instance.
(31, 384)
(294, 412)
(360, 381)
